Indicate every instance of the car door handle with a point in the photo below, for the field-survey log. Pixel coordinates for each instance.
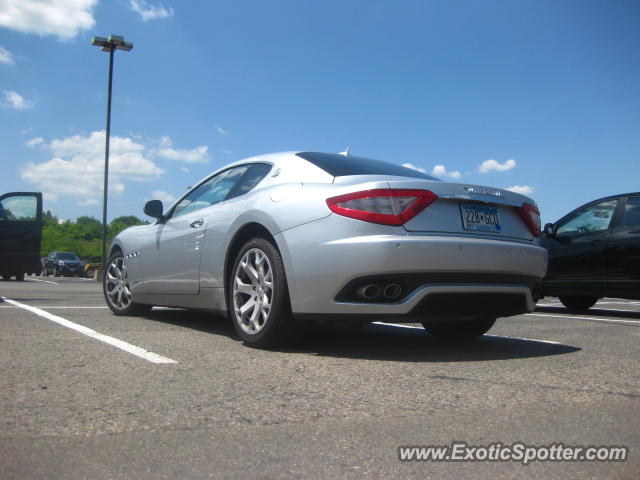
(197, 224)
(595, 243)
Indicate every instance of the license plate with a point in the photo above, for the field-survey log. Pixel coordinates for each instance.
(480, 217)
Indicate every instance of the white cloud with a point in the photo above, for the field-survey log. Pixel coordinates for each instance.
(185, 169)
(441, 171)
(194, 155)
(222, 131)
(6, 56)
(24, 131)
(413, 167)
(77, 166)
(34, 141)
(16, 101)
(62, 18)
(50, 197)
(521, 189)
(492, 165)
(165, 142)
(163, 195)
(88, 202)
(150, 12)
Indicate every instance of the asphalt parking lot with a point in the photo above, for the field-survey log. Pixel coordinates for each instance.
(85, 394)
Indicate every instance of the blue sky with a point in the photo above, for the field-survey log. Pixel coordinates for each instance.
(542, 96)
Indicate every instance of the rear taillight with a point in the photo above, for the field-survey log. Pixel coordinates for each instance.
(531, 217)
(386, 206)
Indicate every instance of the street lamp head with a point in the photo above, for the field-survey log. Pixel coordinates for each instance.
(115, 39)
(114, 42)
(99, 41)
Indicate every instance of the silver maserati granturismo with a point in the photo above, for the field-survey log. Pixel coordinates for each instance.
(274, 239)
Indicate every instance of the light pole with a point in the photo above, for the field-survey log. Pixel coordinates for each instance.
(111, 44)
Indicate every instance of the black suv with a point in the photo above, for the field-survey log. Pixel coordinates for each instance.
(594, 252)
(63, 263)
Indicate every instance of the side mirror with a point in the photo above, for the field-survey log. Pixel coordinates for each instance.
(548, 229)
(153, 208)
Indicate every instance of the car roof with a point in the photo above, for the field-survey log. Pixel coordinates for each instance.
(598, 200)
(610, 197)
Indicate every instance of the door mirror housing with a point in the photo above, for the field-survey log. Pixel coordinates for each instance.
(549, 229)
(154, 209)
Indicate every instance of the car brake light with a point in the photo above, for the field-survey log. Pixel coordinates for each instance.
(385, 205)
(531, 217)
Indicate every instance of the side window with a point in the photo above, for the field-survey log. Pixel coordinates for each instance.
(591, 219)
(210, 192)
(250, 179)
(22, 208)
(631, 217)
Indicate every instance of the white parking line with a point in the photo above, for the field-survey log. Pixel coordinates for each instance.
(618, 310)
(486, 335)
(590, 319)
(45, 281)
(57, 308)
(611, 302)
(114, 342)
(553, 303)
(551, 342)
(398, 325)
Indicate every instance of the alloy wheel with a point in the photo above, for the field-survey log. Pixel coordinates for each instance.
(253, 291)
(117, 284)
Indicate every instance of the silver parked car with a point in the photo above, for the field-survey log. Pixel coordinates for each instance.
(275, 238)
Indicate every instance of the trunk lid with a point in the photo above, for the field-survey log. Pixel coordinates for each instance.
(468, 209)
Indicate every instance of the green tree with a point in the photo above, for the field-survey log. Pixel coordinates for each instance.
(49, 218)
(120, 223)
(89, 228)
(83, 237)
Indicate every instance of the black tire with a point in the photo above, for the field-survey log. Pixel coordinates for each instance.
(578, 304)
(20, 277)
(115, 287)
(6, 277)
(89, 273)
(465, 330)
(265, 330)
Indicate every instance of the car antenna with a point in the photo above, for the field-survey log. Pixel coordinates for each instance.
(346, 152)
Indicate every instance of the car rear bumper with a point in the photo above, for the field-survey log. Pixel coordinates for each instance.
(64, 270)
(441, 276)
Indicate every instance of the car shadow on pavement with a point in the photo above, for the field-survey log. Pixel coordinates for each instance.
(378, 341)
(399, 343)
(592, 312)
(202, 321)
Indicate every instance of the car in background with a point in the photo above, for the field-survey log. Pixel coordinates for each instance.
(91, 266)
(63, 263)
(594, 252)
(278, 238)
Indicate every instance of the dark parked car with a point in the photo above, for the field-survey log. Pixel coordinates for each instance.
(63, 263)
(594, 252)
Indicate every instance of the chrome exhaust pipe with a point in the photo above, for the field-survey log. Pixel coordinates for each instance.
(392, 291)
(370, 291)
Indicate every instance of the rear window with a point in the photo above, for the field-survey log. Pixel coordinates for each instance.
(341, 165)
(631, 216)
